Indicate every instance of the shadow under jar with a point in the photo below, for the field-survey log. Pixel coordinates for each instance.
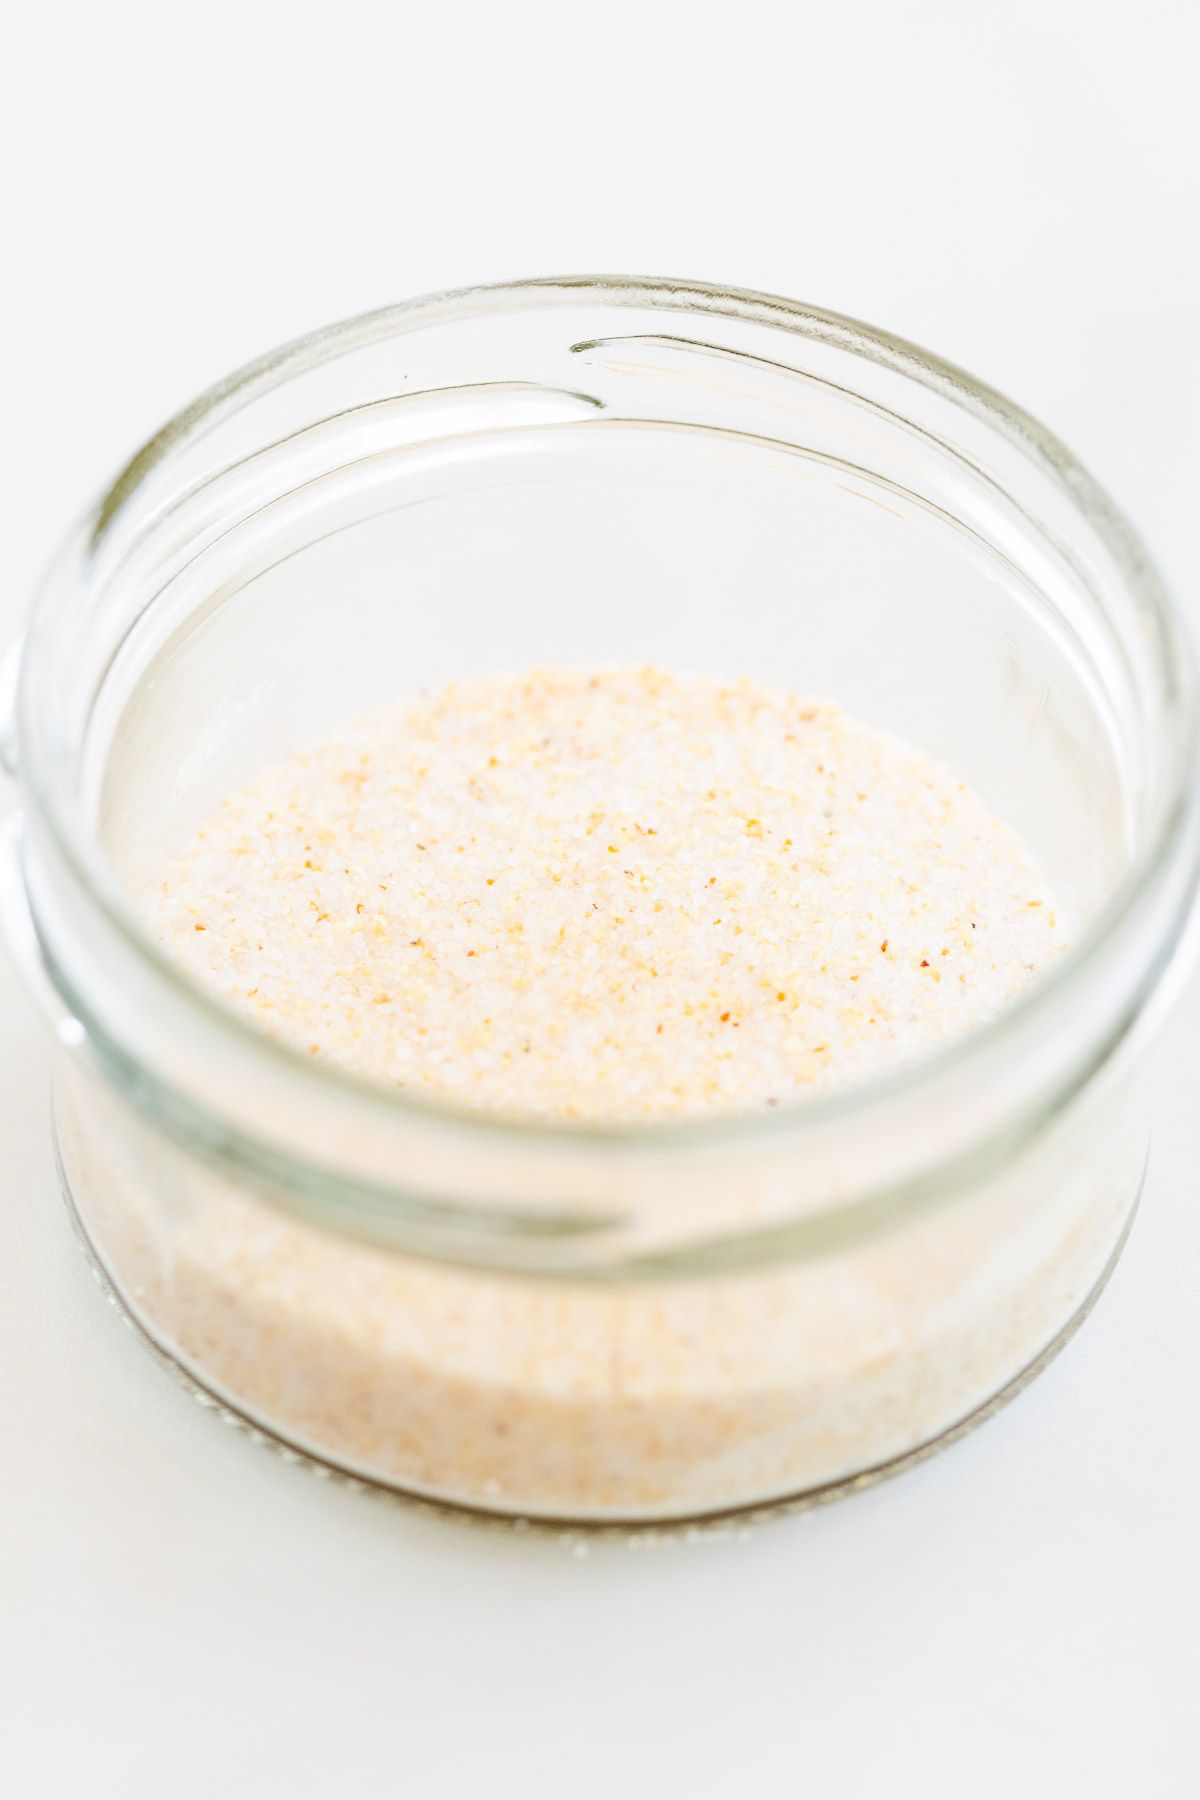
(591, 1323)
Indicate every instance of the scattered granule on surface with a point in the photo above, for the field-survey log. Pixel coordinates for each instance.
(613, 895)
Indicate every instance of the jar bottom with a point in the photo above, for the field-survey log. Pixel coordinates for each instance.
(235, 1412)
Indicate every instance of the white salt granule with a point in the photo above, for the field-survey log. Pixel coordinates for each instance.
(610, 896)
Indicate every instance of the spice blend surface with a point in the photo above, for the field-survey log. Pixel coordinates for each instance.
(613, 895)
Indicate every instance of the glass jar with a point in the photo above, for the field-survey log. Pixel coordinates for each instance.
(635, 1323)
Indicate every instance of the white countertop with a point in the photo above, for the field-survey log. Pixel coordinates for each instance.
(182, 1614)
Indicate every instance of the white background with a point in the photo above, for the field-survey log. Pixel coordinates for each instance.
(180, 187)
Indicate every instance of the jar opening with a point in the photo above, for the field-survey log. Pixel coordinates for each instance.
(752, 429)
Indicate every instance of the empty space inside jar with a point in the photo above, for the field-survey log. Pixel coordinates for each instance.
(600, 543)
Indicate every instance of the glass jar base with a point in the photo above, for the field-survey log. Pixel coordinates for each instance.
(235, 1413)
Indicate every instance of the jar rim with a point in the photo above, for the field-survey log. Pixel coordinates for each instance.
(1174, 845)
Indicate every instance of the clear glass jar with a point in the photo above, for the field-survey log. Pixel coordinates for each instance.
(627, 1323)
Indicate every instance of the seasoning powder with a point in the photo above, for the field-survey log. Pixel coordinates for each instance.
(623, 895)
(607, 896)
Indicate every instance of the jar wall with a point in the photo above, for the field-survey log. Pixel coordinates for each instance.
(582, 473)
(596, 1400)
